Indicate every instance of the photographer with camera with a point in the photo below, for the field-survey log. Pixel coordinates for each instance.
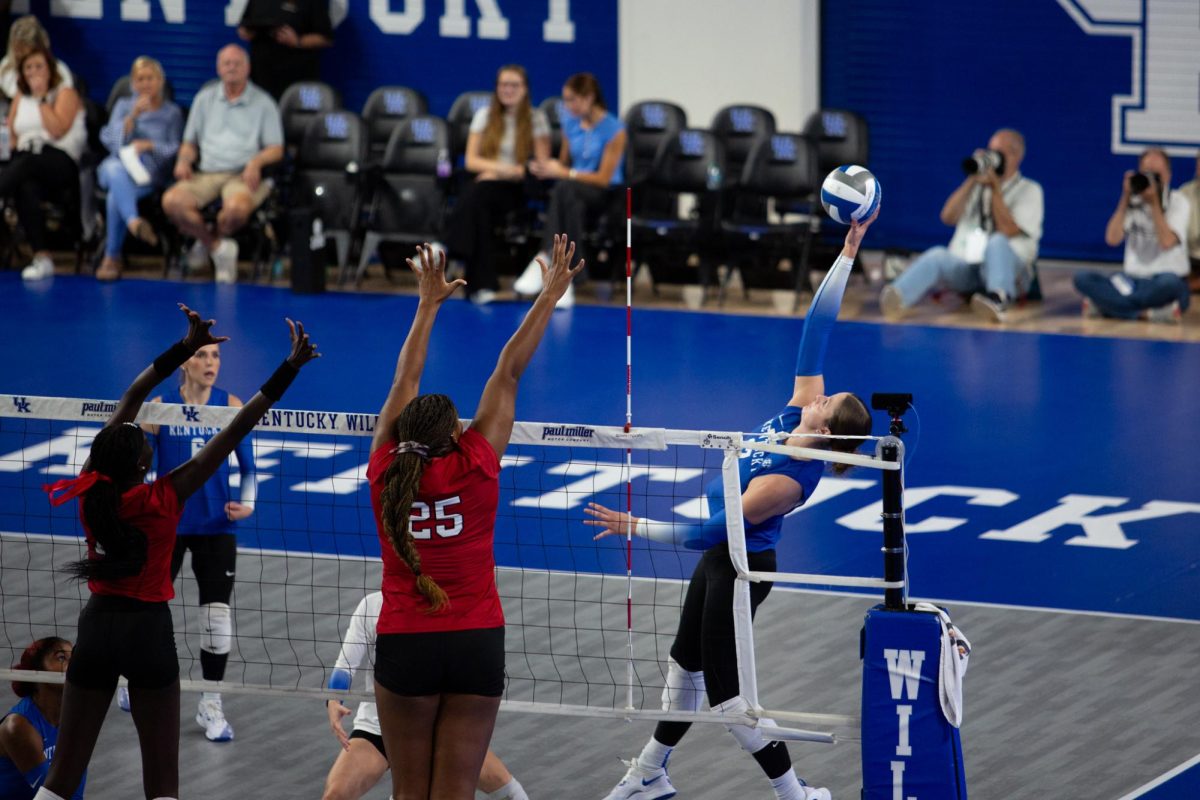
(997, 217)
(1152, 220)
(1191, 190)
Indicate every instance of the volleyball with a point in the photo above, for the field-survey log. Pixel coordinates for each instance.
(849, 193)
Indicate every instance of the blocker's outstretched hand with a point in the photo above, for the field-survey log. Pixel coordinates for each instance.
(557, 277)
(430, 268)
(199, 331)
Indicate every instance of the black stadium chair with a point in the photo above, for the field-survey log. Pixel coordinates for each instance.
(386, 108)
(740, 128)
(459, 119)
(408, 198)
(300, 103)
(784, 167)
(688, 162)
(841, 137)
(327, 176)
(647, 125)
(552, 108)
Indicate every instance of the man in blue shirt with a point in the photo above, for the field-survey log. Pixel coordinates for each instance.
(233, 131)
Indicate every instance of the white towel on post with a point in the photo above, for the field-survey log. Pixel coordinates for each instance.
(952, 666)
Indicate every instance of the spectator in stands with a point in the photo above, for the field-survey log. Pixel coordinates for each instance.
(151, 126)
(46, 123)
(504, 137)
(286, 39)
(235, 130)
(589, 165)
(1152, 221)
(1191, 190)
(25, 34)
(997, 219)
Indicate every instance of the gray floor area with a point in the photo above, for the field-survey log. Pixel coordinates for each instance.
(1057, 705)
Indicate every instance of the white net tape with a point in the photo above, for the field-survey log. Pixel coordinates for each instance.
(309, 552)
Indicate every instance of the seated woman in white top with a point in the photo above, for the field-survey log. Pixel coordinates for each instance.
(26, 33)
(503, 138)
(46, 123)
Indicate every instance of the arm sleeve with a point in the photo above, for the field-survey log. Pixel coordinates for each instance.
(272, 132)
(1179, 216)
(354, 647)
(1028, 210)
(249, 484)
(166, 149)
(821, 315)
(112, 135)
(195, 119)
(479, 121)
(692, 535)
(37, 776)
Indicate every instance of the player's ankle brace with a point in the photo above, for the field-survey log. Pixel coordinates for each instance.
(278, 383)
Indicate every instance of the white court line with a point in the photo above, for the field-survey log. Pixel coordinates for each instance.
(1161, 779)
(55, 538)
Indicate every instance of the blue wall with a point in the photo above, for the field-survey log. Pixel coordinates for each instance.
(362, 58)
(934, 80)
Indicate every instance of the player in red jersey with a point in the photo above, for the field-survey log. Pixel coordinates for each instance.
(125, 628)
(439, 655)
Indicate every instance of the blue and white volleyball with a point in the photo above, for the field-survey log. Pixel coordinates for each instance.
(850, 193)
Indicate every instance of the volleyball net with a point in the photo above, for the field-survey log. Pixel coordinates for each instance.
(589, 623)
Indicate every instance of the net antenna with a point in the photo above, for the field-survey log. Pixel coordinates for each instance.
(629, 676)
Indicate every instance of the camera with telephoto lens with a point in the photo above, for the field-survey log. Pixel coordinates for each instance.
(984, 161)
(1140, 181)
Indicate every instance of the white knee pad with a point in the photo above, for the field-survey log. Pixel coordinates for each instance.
(751, 739)
(216, 628)
(684, 690)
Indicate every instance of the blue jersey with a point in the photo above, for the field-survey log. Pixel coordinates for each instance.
(587, 145)
(753, 463)
(204, 512)
(14, 785)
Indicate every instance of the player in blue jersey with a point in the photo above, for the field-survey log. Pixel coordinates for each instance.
(703, 660)
(208, 525)
(29, 731)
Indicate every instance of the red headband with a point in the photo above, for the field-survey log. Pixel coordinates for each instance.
(73, 487)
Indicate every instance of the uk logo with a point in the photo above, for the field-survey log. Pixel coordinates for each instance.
(1163, 106)
(22, 405)
(191, 413)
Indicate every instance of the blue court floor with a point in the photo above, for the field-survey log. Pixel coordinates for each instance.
(1045, 470)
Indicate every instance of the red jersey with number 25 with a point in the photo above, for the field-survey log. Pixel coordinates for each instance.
(453, 524)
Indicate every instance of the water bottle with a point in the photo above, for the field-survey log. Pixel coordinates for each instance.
(317, 240)
(5, 143)
(714, 178)
(443, 163)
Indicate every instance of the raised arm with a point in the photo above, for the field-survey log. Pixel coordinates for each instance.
(198, 335)
(767, 496)
(494, 417)
(191, 475)
(818, 323)
(360, 638)
(432, 288)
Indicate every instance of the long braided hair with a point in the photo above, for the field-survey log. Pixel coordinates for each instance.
(429, 421)
(121, 546)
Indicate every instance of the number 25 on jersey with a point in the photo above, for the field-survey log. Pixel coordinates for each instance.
(443, 520)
